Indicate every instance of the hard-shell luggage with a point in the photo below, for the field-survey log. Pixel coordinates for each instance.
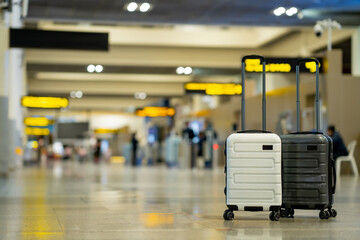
(307, 164)
(253, 164)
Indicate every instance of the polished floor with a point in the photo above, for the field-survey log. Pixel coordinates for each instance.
(72, 201)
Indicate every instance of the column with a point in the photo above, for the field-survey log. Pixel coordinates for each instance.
(4, 99)
(355, 53)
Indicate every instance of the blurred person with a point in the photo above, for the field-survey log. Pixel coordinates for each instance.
(187, 132)
(67, 153)
(188, 135)
(200, 149)
(134, 144)
(210, 137)
(97, 152)
(81, 151)
(339, 148)
(172, 149)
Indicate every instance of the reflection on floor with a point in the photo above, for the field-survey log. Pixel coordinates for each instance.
(70, 201)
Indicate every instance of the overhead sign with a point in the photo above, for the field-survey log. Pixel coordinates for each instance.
(156, 112)
(214, 88)
(105, 131)
(37, 131)
(280, 65)
(44, 102)
(34, 38)
(38, 121)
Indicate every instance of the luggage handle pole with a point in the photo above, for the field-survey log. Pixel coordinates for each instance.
(317, 104)
(262, 60)
(334, 176)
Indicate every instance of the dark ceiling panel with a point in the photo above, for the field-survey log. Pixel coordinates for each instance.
(211, 12)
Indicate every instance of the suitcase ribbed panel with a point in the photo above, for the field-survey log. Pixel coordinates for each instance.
(305, 167)
(253, 174)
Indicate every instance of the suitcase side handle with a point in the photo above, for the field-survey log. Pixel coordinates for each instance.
(262, 60)
(317, 104)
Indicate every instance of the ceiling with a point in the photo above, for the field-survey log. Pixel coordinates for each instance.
(202, 12)
(146, 48)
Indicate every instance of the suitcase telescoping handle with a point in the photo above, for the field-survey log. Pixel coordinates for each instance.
(334, 176)
(317, 104)
(262, 60)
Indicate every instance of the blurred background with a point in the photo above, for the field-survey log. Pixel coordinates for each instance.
(158, 82)
(118, 73)
(114, 113)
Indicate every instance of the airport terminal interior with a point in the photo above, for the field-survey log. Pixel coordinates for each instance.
(164, 119)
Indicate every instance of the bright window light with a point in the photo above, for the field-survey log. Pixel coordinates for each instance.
(144, 7)
(91, 68)
(99, 68)
(180, 70)
(131, 7)
(188, 70)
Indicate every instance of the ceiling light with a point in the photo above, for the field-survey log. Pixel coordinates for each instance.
(91, 68)
(99, 68)
(73, 94)
(131, 7)
(180, 70)
(144, 7)
(279, 11)
(140, 95)
(291, 11)
(79, 94)
(188, 70)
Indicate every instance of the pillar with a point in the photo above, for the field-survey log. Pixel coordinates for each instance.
(16, 74)
(4, 99)
(355, 53)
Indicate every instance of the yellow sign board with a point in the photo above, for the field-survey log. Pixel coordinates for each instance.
(105, 131)
(37, 131)
(156, 112)
(44, 102)
(311, 66)
(38, 121)
(254, 65)
(214, 88)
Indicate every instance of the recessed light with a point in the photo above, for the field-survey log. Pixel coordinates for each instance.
(188, 70)
(140, 95)
(279, 11)
(91, 68)
(144, 7)
(291, 11)
(131, 7)
(73, 94)
(79, 94)
(99, 68)
(180, 70)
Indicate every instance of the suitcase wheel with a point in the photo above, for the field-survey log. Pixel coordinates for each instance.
(333, 212)
(228, 215)
(327, 215)
(291, 212)
(274, 216)
(324, 214)
(287, 213)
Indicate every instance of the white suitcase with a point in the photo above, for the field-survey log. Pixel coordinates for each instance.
(253, 166)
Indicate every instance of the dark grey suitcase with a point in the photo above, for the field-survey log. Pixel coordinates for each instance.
(308, 168)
